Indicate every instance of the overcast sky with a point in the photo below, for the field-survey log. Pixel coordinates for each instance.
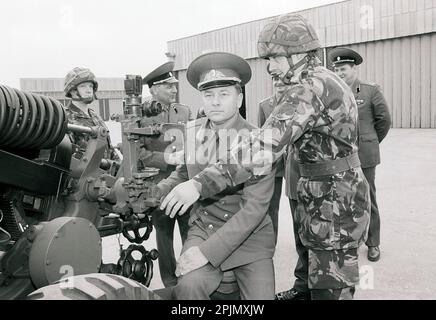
(47, 38)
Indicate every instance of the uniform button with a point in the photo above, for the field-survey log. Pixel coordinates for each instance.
(210, 227)
(205, 213)
(223, 202)
(226, 216)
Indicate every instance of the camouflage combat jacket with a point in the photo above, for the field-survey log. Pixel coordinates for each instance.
(319, 117)
(91, 119)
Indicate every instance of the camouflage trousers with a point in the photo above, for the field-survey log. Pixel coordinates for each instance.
(334, 216)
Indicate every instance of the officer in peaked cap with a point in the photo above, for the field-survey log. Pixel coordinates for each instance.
(340, 56)
(218, 69)
(374, 125)
(162, 74)
(162, 108)
(232, 232)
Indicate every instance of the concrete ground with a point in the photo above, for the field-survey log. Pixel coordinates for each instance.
(406, 190)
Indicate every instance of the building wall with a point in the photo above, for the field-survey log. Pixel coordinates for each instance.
(405, 68)
(397, 39)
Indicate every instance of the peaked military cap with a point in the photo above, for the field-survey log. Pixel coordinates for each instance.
(340, 56)
(162, 74)
(218, 69)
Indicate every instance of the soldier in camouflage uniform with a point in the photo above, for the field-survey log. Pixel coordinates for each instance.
(300, 290)
(318, 117)
(81, 86)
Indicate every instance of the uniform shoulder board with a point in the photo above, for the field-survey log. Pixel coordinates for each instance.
(266, 101)
(249, 125)
(196, 122)
(179, 105)
(369, 84)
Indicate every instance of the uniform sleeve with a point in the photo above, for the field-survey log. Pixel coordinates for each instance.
(176, 177)
(296, 114)
(382, 117)
(154, 159)
(255, 202)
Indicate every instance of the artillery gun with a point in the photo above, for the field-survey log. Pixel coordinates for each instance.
(55, 207)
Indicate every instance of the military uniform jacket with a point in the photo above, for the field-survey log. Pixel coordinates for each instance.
(319, 117)
(374, 121)
(90, 119)
(153, 154)
(231, 228)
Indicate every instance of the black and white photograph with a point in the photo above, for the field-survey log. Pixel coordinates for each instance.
(234, 151)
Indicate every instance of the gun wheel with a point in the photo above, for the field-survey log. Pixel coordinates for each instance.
(95, 286)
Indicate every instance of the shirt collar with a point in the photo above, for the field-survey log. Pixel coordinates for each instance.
(206, 128)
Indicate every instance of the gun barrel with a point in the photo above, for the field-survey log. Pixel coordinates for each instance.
(79, 129)
(30, 121)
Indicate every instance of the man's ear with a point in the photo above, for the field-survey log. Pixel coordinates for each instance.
(74, 93)
(240, 100)
(153, 90)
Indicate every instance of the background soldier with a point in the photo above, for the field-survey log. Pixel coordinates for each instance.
(81, 86)
(162, 108)
(265, 108)
(300, 290)
(374, 125)
(318, 117)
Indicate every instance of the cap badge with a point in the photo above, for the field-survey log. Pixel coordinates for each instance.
(213, 74)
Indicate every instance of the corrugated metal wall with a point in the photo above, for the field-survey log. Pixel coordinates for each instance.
(405, 68)
(346, 22)
(397, 39)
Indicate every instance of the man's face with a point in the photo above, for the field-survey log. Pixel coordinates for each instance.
(85, 90)
(165, 93)
(279, 86)
(221, 104)
(279, 66)
(347, 72)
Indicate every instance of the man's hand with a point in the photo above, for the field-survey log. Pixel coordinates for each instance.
(181, 198)
(192, 259)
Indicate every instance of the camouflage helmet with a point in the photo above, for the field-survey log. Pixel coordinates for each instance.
(77, 76)
(287, 35)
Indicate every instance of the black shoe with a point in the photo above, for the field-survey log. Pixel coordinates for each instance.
(373, 254)
(292, 294)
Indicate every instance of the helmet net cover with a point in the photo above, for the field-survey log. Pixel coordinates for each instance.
(287, 35)
(76, 77)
